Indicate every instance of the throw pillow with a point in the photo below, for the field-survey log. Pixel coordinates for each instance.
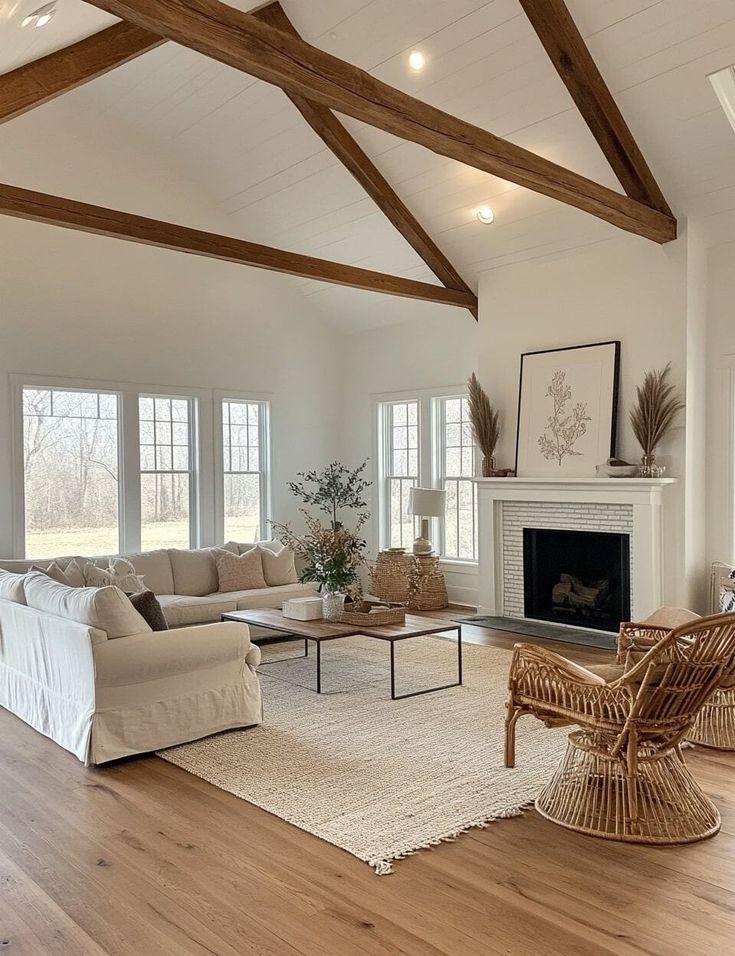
(120, 574)
(279, 569)
(106, 609)
(53, 571)
(239, 572)
(148, 606)
(74, 572)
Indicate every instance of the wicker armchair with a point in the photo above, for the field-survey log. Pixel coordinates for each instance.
(715, 723)
(623, 776)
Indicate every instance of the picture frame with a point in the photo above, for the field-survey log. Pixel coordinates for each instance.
(567, 410)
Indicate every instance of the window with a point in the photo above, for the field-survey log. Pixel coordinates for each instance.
(109, 468)
(244, 447)
(456, 466)
(442, 456)
(166, 473)
(401, 455)
(70, 472)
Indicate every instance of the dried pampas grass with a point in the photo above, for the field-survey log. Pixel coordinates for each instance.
(483, 417)
(655, 410)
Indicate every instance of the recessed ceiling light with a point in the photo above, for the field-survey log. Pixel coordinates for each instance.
(40, 17)
(485, 215)
(417, 61)
(723, 83)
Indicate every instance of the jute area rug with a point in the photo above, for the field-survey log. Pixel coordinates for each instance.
(379, 778)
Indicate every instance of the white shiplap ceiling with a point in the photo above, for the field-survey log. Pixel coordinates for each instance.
(269, 174)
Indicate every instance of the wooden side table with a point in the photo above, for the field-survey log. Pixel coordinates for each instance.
(410, 579)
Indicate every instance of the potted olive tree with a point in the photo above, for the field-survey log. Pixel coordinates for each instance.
(332, 555)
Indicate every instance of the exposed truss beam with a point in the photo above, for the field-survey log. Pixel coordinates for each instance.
(42, 80)
(568, 52)
(326, 125)
(56, 211)
(245, 43)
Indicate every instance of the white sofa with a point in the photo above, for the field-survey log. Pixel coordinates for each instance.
(105, 689)
(186, 583)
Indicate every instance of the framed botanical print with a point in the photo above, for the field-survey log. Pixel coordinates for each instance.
(567, 411)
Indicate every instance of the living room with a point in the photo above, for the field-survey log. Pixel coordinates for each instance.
(279, 288)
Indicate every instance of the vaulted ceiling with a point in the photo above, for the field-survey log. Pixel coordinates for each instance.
(275, 182)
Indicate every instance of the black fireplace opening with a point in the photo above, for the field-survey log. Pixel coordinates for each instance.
(577, 577)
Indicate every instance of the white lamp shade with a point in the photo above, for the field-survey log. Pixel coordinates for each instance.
(427, 502)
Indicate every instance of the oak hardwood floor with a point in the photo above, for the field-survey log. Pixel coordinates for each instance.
(142, 858)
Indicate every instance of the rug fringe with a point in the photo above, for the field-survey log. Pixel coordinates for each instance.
(385, 867)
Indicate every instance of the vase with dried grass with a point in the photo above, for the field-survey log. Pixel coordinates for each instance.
(485, 425)
(653, 415)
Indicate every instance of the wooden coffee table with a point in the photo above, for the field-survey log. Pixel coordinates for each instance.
(320, 631)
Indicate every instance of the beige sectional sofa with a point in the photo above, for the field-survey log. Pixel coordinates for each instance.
(81, 666)
(186, 583)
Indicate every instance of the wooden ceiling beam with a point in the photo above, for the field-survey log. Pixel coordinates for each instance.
(84, 217)
(574, 63)
(329, 129)
(242, 41)
(44, 79)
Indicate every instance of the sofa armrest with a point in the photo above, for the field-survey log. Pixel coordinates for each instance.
(160, 654)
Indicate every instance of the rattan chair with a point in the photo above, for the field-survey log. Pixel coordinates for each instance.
(623, 776)
(715, 724)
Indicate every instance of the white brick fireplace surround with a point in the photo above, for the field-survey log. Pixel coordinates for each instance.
(632, 506)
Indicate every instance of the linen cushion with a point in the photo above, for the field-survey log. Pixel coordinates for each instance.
(54, 571)
(241, 572)
(244, 546)
(194, 571)
(181, 610)
(155, 569)
(11, 587)
(278, 568)
(107, 608)
(120, 574)
(149, 608)
(74, 571)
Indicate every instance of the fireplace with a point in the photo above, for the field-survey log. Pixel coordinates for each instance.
(580, 578)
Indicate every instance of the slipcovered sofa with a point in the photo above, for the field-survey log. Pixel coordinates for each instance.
(186, 582)
(80, 665)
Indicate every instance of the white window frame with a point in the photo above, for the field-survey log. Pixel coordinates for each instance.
(429, 473)
(264, 424)
(207, 458)
(439, 477)
(193, 471)
(18, 385)
(384, 457)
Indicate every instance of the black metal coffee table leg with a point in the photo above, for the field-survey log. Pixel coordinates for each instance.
(427, 690)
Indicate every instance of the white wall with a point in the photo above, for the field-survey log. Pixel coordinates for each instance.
(436, 352)
(627, 289)
(82, 306)
(721, 405)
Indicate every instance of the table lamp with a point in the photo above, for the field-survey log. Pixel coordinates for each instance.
(425, 503)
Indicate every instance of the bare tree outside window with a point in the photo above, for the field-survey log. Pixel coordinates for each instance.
(401, 422)
(166, 475)
(70, 471)
(457, 468)
(243, 445)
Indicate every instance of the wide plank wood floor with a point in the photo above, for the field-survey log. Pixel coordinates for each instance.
(142, 858)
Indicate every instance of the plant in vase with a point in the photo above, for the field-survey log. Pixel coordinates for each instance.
(330, 556)
(653, 415)
(485, 425)
(332, 490)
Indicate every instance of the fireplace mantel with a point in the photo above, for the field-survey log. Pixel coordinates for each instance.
(635, 505)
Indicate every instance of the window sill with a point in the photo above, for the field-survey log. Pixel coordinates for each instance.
(458, 566)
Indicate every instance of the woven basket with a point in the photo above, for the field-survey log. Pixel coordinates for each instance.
(372, 615)
(390, 579)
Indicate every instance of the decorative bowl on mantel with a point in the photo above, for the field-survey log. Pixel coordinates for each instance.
(615, 468)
